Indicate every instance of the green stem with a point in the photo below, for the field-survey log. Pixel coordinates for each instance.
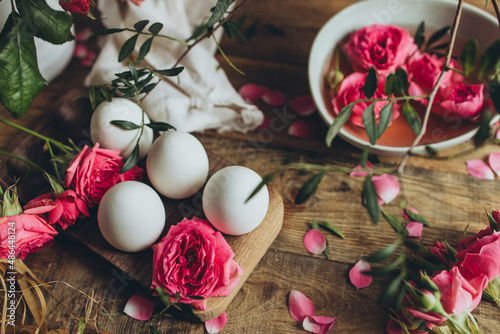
(400, 98)
(226, 58)
(27, 162)
(59, 145)
(54, 164)
(159, 35)
(347, 170)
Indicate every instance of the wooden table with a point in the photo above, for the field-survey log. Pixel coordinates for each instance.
(441, 190)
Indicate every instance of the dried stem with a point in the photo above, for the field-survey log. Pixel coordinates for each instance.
(432, 95)
(210, 31)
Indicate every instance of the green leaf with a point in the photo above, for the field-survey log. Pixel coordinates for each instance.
(494, 88)
(438, 35)
(127, 48)
(164, 297)
(339, 122)
(385, 270)
(494, 225)
(420, 35)
(48, 24)
(364, 156)
(393, 221)
(265, 180)
(329, 226)
(198, 31)
(275, 30)
(218, 12)
(384, 253)
(133, 71)
(126, 125)
(315, 225)
(412, 117)
(468, 57)
(416, 217)
(144, 49)
(127, 75)
(234, 29)
(371, 82)
(160, 126)
(54, 183)
(184, 312)
(403, 82)
(132, 160)
(490, 58)
(81, 325)
(430, 150)
(154, 330)
(171, 72)
(441, 46)
(412, 245)
(371, 199)
(196, 297)
(155, 28)
(104, 32)
(385, 118)
(370, 123)
(326, 252)
(392, 292)
(21, 80)
(483, 133)
(140, 25)
(309, 188)
(148, 88)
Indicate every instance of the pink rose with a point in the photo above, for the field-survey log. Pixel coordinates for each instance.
(196, 261)
(30, 232)
(351, 89)
(67, 208)
(482, 257)
(384, 47)
(440, 252)
(464, 101)
(76, 6)
(467, 242)
(93, 171)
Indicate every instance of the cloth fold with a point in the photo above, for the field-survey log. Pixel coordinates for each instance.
(202, 97)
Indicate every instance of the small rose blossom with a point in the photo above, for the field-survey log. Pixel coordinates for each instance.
(464, 101)
(196, 261)
(384, 47)
(76, 6)
(441, 253)
(31, 234)
(351, 89)
(93, 171)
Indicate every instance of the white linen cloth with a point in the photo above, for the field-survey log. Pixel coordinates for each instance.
(202, 97)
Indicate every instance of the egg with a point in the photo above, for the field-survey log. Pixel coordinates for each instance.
(113, 137)
(131, 216)
(224, 200)
(177, 164)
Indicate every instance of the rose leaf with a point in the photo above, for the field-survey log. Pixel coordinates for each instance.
(370, 123)
(339, 122)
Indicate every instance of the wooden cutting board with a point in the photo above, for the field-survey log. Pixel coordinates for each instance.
(248, 249)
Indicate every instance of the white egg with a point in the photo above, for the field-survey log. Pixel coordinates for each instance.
(224, 200)
(177, 164)
(116, 138)
(131, 216)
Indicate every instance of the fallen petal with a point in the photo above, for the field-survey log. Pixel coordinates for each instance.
(266, 123)
(274, 98)
(251, 92)
(318, 324)
(480, 170)
(358, 279)
(497, 136)
(494, 161)
(301, 129)
(303, 105)
(315, 241)
(358, 171)
(405, 216)
(139, 308)
(80, 51)
(216, 325)
(299, 305)
(386, 187)
(83, 35)
(414, 229)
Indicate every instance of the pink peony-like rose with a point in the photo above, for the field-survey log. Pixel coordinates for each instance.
(93, 171)
(76, 6)
(482, 257)
(66, 208)
(30, 232)
(383, 47)
(196, 261)
(464, 101)
(351, 89)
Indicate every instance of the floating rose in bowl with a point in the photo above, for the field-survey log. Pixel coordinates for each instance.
(368, 35)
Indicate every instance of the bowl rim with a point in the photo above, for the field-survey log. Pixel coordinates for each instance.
(317, 94)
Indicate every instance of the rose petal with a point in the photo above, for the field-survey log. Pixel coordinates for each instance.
(318, 324)
(497, 136)
(315, 241)
(274, 98)
(358, 279)
(386, 186)
(216, 325)
(357, 171)
(251, 93)
(299, 305)
(480, 170)
(414, 229)
(494, 161)
(303, 105)
(301, 129)
(139, 308)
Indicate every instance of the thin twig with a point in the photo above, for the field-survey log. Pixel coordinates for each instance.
(497, 10)
(432, 95)
(210, 31)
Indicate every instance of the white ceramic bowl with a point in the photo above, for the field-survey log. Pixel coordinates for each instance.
(406, 13)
